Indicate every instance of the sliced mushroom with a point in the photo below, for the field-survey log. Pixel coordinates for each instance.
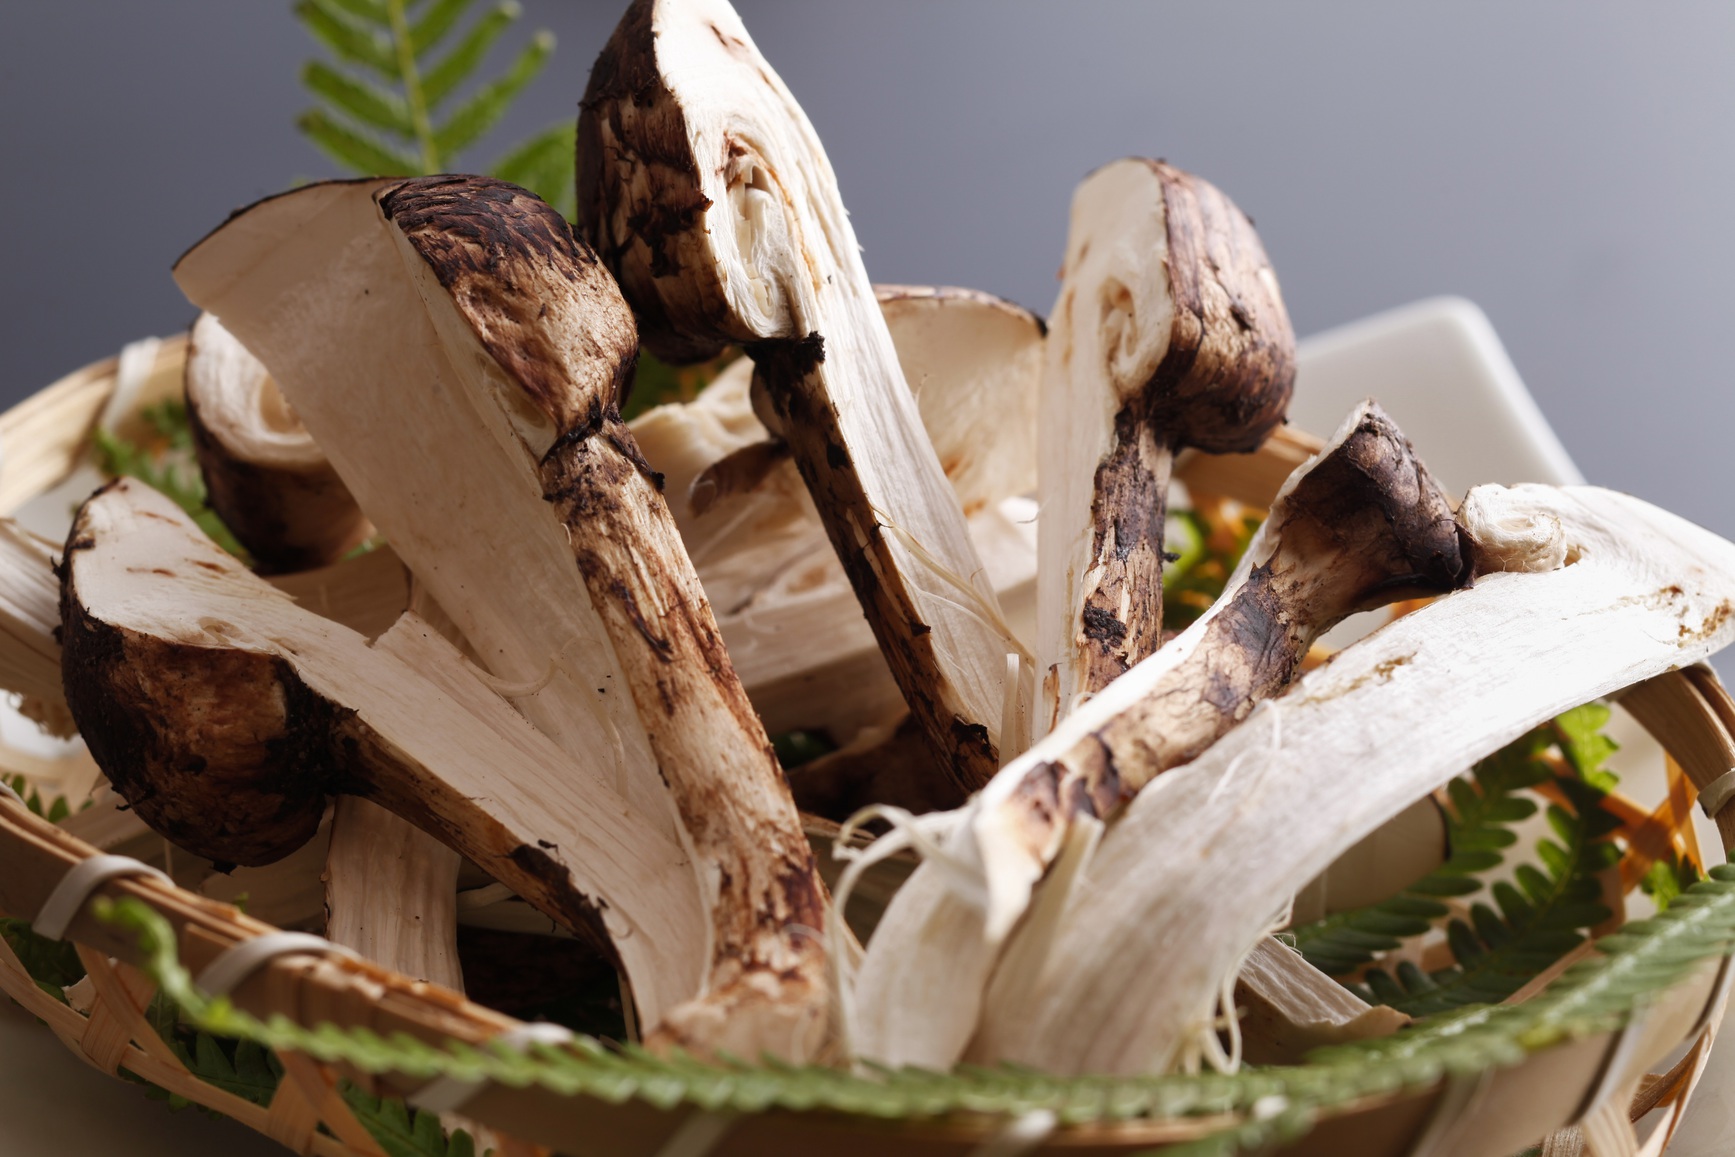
(225, 714)
(366, 593)
(510, 346)
(29, 618)
(265, 477)
(391, 893)
(1202, 862)
(706, 190)
(1169, 332)
(1361, 525)
(789, 618)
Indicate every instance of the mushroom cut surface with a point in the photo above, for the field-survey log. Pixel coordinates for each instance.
(705, 188)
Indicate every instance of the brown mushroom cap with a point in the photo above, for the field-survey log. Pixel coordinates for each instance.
(221, 749)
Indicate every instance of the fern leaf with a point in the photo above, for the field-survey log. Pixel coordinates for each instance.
(52, 964)
(366, 11)
(543, 164)
(365, 102)
(440, 18)
(1585, 746)
(440, 81)
(402, 1133)
(1263, 1106)
(327, 23)
(1497, 952)
(488, 104)
(171, 468)
(350, 148)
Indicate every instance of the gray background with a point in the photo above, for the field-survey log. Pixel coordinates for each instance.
(1566, 166)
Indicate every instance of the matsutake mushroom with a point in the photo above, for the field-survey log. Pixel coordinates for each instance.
(1361, 525)
(1169, 332)
(225, 714)
(1600, 591)
(706, 190)
(265, 477)
(462, 367)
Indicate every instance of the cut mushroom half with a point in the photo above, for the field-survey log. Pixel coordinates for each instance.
(1169, 332)
(790, 620)
(265, 476)
(1605, 591)
(706, 190)
(1361, 525)
(484, 439)
(225, 714)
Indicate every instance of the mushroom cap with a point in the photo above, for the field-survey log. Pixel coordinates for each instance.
(1369, 518)
(1170, 282)
(234, 398)
(688, 232)
(218, 746)
(535, 296)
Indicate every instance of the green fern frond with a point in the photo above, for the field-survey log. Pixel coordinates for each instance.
(52, 964)
(1485, 806)
(352, 148)
(1269, 1104)
(433, 25)
(1542, 919)
(347, 37)
(471, 119)
(543, 164)
(397, 128)
(365, 101)
(444, 77)
(403, 1132)
(53, 810)
(169, 467)
(1529, 924)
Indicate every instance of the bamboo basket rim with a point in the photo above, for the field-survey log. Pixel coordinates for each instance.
(46, 436)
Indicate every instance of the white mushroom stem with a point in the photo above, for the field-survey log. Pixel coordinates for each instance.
(265, 476)
(705, 188)
(1202, 860)
(225, 714)
(1169, 331)
(391, 893)
(1360, 525)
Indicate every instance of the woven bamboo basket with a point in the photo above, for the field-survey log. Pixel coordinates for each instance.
(1585, 1094)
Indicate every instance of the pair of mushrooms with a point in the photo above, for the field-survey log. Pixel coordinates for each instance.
(567, 714)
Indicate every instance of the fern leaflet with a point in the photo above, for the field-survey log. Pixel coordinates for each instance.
(1269, 1104)
(387, 102)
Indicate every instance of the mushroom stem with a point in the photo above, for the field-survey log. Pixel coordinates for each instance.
(224, 714)
(1168, 332)
(391, 893)
(391, 890)
(265, 477)
(1361, 525)
(706, 190)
